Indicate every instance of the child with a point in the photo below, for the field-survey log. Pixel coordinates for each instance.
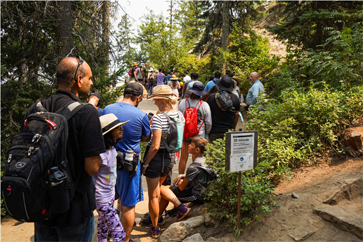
(105, 180)
(187, 187)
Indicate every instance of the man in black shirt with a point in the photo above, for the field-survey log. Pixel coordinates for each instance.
(85, 143)
(222, 121)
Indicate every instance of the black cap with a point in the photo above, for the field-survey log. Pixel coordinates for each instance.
(186, 72)
(226, 83)
(94, 93)
(169, 71)
(134, 89)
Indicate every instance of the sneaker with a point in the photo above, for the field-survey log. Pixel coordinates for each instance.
(182, 214)
(172, 212)
(147, 221)
(165, 214)
(155, 233)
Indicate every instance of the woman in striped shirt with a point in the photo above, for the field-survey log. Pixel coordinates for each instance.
(158, 161)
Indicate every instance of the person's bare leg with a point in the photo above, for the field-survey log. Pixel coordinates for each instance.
(127, 220)
(183, 157)
(168, 195)
(154, 195)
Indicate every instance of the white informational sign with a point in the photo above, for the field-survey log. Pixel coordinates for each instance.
(242, 151)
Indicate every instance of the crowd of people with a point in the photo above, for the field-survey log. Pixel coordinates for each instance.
(105, 154)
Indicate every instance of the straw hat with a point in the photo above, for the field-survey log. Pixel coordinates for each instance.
(174, 78)
(134, 64)
(163, 92)
(236, 79)
(109, 122)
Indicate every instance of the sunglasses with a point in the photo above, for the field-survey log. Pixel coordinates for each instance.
(120, 127)
(79, 63)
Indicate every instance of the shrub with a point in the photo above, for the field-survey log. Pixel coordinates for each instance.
(256, 189)
(303, 124)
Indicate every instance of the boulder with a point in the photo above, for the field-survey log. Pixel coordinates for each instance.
(194, 238)
(210, 221)
(178, 231)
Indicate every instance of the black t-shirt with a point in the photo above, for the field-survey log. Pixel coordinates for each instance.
(222, 121)
(85, 140)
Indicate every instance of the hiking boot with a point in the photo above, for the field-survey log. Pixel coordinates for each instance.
(155, 232)
(147, 221)
(182, 214)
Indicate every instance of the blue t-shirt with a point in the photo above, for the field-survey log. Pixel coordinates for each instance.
(129, 189)
(210, 84)
(138, 125)
(167, 79)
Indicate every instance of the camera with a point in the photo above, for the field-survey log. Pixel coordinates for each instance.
(128, 162)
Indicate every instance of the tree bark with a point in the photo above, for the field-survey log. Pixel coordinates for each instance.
(106, 29)
(225, 31)
(64, 27)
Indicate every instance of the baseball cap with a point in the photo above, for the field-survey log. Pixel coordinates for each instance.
(94, 93)
(134, 89)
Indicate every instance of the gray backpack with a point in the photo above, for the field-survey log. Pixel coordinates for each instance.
(139, 74)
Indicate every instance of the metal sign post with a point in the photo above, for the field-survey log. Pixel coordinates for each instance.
(241, 155)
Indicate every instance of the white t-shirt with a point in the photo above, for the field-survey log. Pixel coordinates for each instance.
(186, 78)
(204, 114)
(160, 122)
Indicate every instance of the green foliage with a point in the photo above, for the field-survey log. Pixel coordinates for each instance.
(222, 193)
(340, 64)
(306, 24)
(304, 125)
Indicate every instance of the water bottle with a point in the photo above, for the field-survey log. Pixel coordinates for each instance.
(241, 99)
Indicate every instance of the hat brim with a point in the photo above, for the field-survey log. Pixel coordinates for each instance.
(223, 88)
(174, 79)
(153, 97)
(236, 79)
(108, 129)
(198, 93)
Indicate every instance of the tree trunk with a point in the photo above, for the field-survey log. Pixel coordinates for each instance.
(64, 28)
(225, 32)
(106, 29)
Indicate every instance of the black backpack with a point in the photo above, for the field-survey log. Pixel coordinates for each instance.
(212, 175)
(224, 101)
(36, 183)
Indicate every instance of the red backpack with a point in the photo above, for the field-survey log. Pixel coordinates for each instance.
(131, 71)
(191, 120)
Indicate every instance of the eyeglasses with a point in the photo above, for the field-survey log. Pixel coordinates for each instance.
(120, 127)
(79, 63)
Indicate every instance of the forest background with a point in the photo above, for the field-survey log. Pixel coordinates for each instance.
(311, 95)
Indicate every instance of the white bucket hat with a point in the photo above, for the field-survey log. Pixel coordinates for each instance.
(109, 122)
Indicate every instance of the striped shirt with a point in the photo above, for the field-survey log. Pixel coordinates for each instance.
(160, 122)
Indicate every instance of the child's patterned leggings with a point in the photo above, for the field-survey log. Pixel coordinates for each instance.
(108, 220)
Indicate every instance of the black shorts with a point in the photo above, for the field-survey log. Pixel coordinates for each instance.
(160, 164)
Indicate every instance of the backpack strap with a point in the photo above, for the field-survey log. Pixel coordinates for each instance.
(71, 109)
(186, 103)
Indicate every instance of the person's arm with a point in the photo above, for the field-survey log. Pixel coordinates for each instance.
(184, 88)
(208, 119)
(92, 164)
(254, 91)
(145, 139)
(236, 116)
(181, 182)
(155, 145)
(135, 73)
